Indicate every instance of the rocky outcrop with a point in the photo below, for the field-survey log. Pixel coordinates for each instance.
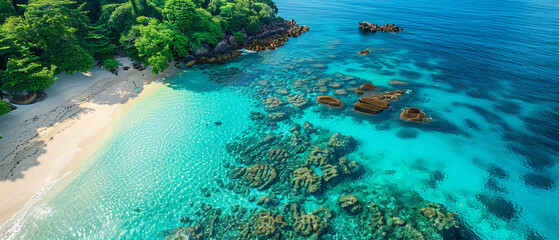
(365, 26)
(364, 52)
(23, 98)
(413, 114)
(330, 101)
(371, 105)
(138, 66)
(376, 104)
(274, 35)
(368, 86)
(391, 96)
(271, 36)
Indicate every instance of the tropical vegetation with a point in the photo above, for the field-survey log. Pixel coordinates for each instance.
(41, 38)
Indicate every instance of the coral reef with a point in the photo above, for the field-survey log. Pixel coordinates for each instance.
(259, 176)
(300, 168)
(439, 216)
(185, 233)
(304, 178)
(269, 225)
(350, 204)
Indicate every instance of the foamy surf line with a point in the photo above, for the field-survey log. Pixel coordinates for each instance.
(13, 226)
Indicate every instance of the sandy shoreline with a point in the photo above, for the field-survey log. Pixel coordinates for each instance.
(44, 141)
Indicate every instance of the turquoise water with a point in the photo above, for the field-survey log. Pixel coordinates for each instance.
(485, 72)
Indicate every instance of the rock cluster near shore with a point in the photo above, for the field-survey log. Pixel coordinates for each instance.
(271, 36)
(365, 26)
(274, 35)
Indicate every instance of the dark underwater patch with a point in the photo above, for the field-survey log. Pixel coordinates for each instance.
(499, 206)
(539, 181)
(407, 133)
(496, 171)
(410, 74)
(494, 185)
(509, 107)
(472, 124)
(435, 177)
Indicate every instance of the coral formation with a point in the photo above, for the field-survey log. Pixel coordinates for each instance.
(304, 178)
(269, 225)
(259, 176)
(439, 216)
(350, 204)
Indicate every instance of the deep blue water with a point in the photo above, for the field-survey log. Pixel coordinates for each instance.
(486, 72)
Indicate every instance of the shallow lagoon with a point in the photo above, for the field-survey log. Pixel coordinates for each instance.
(486, 76)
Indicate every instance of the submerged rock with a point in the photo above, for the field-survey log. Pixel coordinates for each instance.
(272, 103)
(397, 82)
(340, 92)
(376, 28)
(368, 86)
(364, 52)
(298, 100)
(276, 117)
(391, 96)
(330, 101)
(413, 114)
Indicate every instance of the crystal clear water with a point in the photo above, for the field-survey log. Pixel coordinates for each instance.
(486, 72)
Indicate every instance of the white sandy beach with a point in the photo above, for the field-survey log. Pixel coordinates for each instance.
(43, 141)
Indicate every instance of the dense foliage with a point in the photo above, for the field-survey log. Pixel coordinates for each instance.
(110, 64)
(4, 107)
(40, 38)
